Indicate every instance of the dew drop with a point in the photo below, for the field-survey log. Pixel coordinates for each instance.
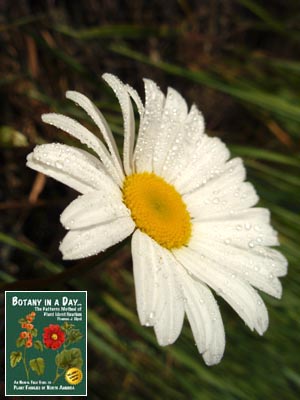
(58, 165)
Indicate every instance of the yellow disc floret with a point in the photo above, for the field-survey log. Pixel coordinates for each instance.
(157, 209)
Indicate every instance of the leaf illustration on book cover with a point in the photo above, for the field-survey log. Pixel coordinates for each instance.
(20, 342)
(37, 365)
(34, 332)
(74, 335)
(15, 358)
(69, 358)
(38, 345)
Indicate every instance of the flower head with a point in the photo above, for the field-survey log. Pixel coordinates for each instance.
(53, 337)
(187, 205)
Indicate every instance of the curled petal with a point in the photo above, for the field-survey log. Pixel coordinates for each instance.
(82, 243)
(128, 117)
(74, 167)
(102, 124)
(94, 208)
(86, 137)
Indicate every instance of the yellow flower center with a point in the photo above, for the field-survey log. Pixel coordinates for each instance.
(54, 336)
(157, 209)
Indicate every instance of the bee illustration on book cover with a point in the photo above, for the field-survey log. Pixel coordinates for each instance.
(45, 342)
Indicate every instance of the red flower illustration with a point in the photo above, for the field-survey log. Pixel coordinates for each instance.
(53, 337)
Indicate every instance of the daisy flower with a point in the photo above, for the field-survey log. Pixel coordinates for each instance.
(187, 206)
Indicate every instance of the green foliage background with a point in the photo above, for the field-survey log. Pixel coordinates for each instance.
(238, 60)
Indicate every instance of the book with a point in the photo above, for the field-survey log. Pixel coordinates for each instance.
(45, 343)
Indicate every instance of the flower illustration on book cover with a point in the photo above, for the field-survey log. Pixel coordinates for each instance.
(55, 338)
(26, 340)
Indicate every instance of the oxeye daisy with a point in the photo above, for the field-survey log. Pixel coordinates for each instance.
(190, 212)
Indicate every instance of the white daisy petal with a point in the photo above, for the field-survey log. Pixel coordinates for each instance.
(206, 162)
(241, 262)
(145, 276)
(101, 123)
(169, 311)
(71, 162)
(136, 98)
(204, 317)
(158, 296)
(87, 242)
(244, 232)
(224, 195)
(170, 133)
(81, 133)
(59, 175)
(271, 259)
(238, 232)
(194, 124)
(94, 208)
(240, 295)
(129, 124)
(149, 126)
(183, 147)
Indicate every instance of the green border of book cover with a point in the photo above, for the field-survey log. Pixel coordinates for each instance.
(45, 343)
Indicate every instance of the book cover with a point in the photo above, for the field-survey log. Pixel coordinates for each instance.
(45, 343)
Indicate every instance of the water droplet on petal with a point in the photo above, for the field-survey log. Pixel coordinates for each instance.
(151, 315)
(58, 165)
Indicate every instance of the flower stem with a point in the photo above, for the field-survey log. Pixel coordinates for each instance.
(57, 375)
(25, 365)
